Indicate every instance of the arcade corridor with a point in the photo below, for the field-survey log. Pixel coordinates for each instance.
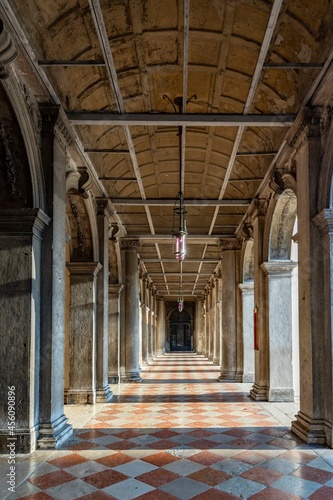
(179, 435)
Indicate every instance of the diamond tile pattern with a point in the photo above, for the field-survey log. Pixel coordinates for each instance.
(180, 435)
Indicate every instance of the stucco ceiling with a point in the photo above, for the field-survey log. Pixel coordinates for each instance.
(252, 66)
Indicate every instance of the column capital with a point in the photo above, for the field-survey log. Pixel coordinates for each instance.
(129, 244)
(49, 114)
(230, 244)
(278, 268)
(103, 207)
(324, 221)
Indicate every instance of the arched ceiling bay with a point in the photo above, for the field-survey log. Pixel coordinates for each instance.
(251, 65)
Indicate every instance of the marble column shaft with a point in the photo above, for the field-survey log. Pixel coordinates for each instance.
(218, 322)
(199, 327)
(309, 424)
(114, 333)
(103, 391)
(230, 273)
(212, 319)
(130, 340)
(259, 389)
(160, 334)
(207, 321)
(144, 325)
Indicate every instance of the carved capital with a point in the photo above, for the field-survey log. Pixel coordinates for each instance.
(230, 244)
(103, 208)
(260, 207)
(247, 231)
(284, 178)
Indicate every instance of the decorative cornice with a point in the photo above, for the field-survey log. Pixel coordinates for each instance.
(247, 231)
(84, 268)
(278, 268)
(103, 207)
(230, 244)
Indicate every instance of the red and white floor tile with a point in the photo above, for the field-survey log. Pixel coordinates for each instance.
(178, 435)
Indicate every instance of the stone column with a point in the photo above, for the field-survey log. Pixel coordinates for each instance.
(103, 391)
(114, 333)
(212, 319)
(20, 241)
(219, 317)
(218, 321)
(207, 304)
(82, 340)
(144, 317)
(154, 323)
(324, 222)
(53, 424)
(199, 327)
(310, 420)
(259, 389)
(230, 272)
(160, 334)
(150, 322)
(279, 302)
(247, 291)
(130, 342)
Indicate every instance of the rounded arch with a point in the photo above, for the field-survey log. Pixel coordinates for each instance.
(28, 118)
(248, 260)
(281, 227)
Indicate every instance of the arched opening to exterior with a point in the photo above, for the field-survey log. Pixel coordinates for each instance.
(180, 331)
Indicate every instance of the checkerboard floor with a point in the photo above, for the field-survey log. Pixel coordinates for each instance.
(178, 435)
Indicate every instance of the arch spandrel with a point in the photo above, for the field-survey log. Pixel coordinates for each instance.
(81, 244)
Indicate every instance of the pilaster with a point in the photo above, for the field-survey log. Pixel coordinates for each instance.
(103, 214)
(53, 427)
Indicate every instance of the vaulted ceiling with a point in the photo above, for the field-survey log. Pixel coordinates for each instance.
(245, 69)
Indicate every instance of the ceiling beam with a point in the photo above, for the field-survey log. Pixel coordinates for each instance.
(150, 260)
(178, 273)
(111, 151)
(91, 62)
(169, 119)
(167, 238)
(171, 202)
(293, 65)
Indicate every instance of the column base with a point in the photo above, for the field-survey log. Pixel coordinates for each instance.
(258, 393)
(103, 394)
(53, 434)
(23, 441)
(131, 377)
(281, 395)
(329, 434)
(216, 361)
(309, 430)
(210, 358)
(79, 397)
(229, 376)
